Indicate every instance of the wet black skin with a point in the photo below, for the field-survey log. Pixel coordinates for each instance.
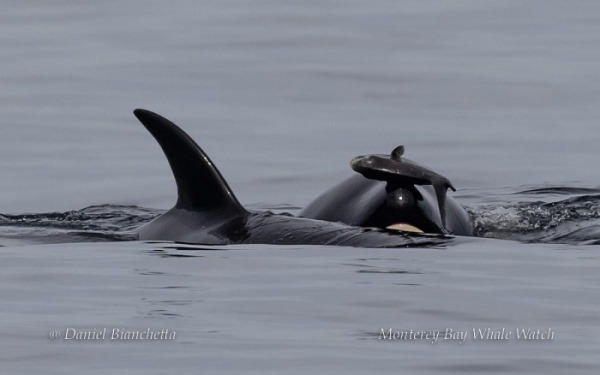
(207, 211)
(398, 171)
(360, 201)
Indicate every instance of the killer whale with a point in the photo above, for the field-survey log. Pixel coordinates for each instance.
(393, 192)
(364, 202)
(207, 211)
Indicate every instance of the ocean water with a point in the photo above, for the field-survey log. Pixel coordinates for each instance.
(499, 96)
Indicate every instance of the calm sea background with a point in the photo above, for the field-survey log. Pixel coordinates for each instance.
(502, 97)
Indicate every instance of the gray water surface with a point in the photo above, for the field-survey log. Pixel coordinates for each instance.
(262, 309)
(499, 96)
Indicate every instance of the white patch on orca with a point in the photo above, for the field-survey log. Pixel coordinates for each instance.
(403, 227)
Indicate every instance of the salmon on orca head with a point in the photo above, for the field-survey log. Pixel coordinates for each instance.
(400, 172)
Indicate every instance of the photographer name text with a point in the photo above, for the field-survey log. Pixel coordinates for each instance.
(99, 334)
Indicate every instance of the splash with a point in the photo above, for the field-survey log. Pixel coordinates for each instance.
(550, 218)
(567, 215)
(91, 224)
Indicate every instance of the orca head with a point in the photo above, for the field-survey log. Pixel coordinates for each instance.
(403, 176)
(406, 207)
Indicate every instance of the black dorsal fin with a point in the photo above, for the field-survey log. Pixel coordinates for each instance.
(200, 185)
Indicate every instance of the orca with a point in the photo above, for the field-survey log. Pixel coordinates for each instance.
(393, 192)
(364, 202)
(207, 211)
